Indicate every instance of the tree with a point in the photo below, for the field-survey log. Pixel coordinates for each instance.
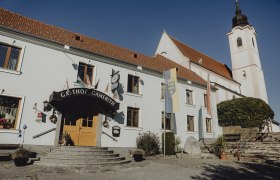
(244, 112)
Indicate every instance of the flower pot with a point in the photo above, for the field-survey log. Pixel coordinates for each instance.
(138, 157)
(20, 161)
(223, 156)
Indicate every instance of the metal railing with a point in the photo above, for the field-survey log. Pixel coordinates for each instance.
(43, 133)
(110, 136)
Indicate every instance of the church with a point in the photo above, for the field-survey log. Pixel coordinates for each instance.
(56, 82)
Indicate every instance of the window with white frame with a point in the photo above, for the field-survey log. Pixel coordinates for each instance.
(189, 97)
(190, 123)
(239, 42)
(205, 100)
(9, 57)
(133, 84)
(132, 117)
(9, 109)
(208, 125)
(162, 91)
(167, 120)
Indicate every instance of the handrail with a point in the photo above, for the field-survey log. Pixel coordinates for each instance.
(238, 148)
(109, 136)
(43, 133)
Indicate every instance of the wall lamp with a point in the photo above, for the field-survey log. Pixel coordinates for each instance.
(47, 106)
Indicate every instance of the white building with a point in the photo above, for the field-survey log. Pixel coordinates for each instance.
(88, 85)
(246, 77)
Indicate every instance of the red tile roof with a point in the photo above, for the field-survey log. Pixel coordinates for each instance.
(47, 32)
(207, 62)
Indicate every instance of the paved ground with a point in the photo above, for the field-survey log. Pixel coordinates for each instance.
(156, 169)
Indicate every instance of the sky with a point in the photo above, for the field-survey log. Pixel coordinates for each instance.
(138, 25)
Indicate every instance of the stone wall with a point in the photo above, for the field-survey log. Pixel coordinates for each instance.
(244, 132)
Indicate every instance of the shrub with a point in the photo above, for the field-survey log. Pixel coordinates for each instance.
(245, 112)
(149, 142)
(169, 143)
(20, 156)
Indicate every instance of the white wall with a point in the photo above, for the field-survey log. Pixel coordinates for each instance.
(245, 59)
(45, 70)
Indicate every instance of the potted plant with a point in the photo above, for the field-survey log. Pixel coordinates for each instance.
(20, 157)
(138, 154)
(220, 147)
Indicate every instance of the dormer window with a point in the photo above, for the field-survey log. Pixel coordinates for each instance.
(239, 42)
(77, 38)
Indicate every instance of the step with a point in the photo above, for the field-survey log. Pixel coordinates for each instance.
(81, 161)
(79, 156)
(93, 152)
(83, 165)
(79, 148)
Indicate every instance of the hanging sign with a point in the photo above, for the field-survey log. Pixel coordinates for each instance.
(115, 77)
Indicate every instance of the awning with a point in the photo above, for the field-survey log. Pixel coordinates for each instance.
(83, 100)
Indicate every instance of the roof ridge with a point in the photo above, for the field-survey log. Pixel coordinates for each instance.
(197, 50)
(51, 33)
(74, 33)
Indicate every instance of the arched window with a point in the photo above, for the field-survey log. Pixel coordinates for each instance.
(243, 75)
(253, 42)
(239, 42)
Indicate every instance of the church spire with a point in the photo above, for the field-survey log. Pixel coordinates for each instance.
(239, 19)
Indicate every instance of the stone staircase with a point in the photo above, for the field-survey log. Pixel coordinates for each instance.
(260, 151)
(86, 158)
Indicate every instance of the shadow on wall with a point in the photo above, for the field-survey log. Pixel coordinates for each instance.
(268, 170)
(119, 118)
(120, 91)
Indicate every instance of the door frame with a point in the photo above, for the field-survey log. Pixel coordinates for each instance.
(60, 124)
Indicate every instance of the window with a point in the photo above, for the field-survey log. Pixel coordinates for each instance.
(189, 97)
(167, 120)
(253, 42)
(9, 57)
(9, 108)
(133, 84)
(190, 123)
(162, 90)
(243, 75)
(85, 73)
(239, 42)
(132, 117)
(208, 125)
(205, 100)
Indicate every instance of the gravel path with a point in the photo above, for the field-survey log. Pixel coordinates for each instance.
(156, 169)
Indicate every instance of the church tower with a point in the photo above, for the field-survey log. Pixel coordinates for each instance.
(246, 64)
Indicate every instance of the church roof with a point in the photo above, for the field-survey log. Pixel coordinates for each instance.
(27, 26)
(203, 60)
(239, 19)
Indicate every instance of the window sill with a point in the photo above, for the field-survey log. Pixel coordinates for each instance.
(208, 133)
(12, 131)
(191, 132)
(190, 105)
(133, 128)
(133, 94)
(10, 71)
(167, 130)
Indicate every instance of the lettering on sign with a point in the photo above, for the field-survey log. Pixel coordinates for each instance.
(88, 92)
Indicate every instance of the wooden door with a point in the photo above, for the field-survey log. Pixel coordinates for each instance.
(82, 131)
